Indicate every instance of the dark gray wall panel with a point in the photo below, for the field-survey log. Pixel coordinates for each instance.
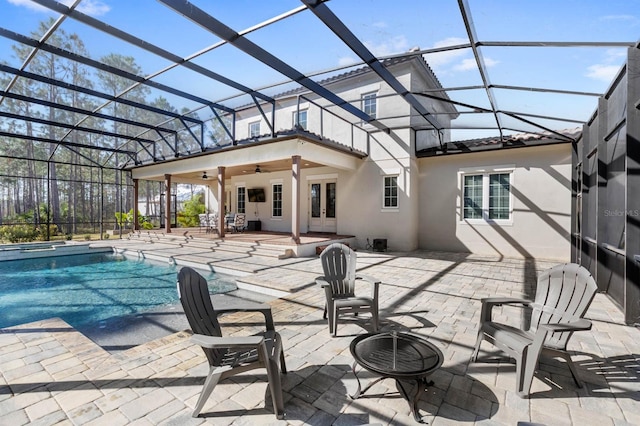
(632, 283)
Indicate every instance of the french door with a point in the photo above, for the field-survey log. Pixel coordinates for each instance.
(322, 205)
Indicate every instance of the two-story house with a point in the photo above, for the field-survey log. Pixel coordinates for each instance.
(304, 165)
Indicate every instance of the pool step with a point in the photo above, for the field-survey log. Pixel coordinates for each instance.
(250, 248)
(218, 245)
(237, 264)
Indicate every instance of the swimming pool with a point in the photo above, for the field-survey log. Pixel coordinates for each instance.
(88, 288)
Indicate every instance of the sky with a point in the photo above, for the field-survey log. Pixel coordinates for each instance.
(385, 27)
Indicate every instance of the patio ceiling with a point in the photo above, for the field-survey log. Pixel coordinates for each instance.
(258, 157)
(97, 84)
(248, 169)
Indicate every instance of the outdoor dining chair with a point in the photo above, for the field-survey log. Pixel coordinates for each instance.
(228, 356)
(203, 220)
(239, 223)
(212, 220)
(563, 296)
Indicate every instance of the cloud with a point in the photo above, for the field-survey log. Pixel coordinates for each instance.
(616, 55)
(470, 64)
(466, 65)
(93, 7)
(450, 41)
(488, 62)
(29, 5)
(458, 60)
(89, 7)
(619, 18)
(602, 72)
(442, 59)
(346, 60)
(397, 44)
(380, 24)
(608, 69)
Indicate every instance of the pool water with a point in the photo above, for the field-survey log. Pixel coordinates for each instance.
(85, 289)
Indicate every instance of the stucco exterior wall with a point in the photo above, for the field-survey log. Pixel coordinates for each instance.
(541, 202)
(359, 201)
(362, 213)
(333, 122)
(416, 222)
(358, 204)
(429, 212)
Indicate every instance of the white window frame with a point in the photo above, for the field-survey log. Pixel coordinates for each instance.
(485, 173)
(296, 115)
(273, 199)
(367, 96)
(384, 196)
(252, 132)
(245, 201)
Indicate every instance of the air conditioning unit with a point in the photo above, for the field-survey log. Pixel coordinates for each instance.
(379, 244)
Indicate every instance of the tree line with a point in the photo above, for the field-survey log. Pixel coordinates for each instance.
(76, 186)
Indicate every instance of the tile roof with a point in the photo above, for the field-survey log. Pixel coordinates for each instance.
(518, 140)
(353, 73)
(288, 133)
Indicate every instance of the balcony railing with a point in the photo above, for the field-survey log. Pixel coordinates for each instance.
(332, 126)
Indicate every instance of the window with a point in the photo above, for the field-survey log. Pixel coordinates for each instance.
(330, 200)
(254, 129)
(300, 119)
(241, 192)
(473, 197)
(370, 104)
(390, 192)
(487, 196)
(499, 196)
(276, 209)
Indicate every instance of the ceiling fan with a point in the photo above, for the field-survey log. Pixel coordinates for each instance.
(259, 169)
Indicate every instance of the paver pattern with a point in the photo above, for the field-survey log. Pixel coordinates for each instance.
(52, 374)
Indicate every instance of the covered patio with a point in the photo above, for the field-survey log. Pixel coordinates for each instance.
(291, 151)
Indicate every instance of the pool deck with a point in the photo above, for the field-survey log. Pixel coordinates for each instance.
(52, 374)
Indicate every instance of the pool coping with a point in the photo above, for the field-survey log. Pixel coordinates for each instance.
(25, 251)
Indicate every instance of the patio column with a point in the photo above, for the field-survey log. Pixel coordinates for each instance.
(136, 225)
(295, 198)
(167, 204)
(221, 201)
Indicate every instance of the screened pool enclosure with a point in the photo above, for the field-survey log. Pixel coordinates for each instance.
(90, 90)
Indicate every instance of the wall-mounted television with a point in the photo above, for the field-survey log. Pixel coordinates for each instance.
(256, 195)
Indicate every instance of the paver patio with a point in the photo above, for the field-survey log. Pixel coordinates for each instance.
(52, 374)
